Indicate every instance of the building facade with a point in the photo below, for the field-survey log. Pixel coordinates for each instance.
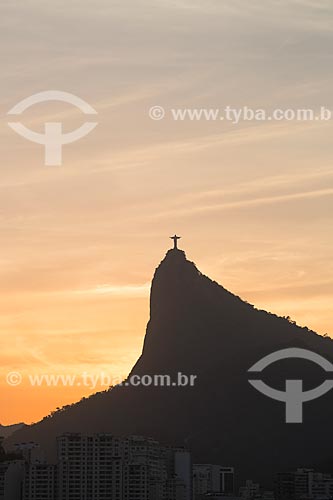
(304, 484)
(104, 467)
(11, 479)
(212, 479)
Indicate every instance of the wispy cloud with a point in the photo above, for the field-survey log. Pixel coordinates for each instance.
(118, 290)
(245, 203)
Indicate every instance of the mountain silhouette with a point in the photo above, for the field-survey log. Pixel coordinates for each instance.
(7, 430)
(197, 327)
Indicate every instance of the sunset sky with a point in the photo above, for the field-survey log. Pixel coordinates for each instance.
(253, 202)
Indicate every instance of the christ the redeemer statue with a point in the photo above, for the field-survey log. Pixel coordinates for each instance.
(175, 238)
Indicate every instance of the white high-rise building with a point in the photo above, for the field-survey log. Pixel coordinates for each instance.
(40, 482)
(89, 467)
(183, 470)
(209, 479)
(145, 469)
(99, 467)
(250, 490)
(304, 483)
(11, 479)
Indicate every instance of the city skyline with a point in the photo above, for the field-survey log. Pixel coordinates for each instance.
(252, 200)
(131, 467)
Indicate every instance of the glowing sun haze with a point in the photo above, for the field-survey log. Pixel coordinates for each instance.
(253, 201)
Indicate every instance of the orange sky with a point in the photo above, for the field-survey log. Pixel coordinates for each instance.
(253, 201)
